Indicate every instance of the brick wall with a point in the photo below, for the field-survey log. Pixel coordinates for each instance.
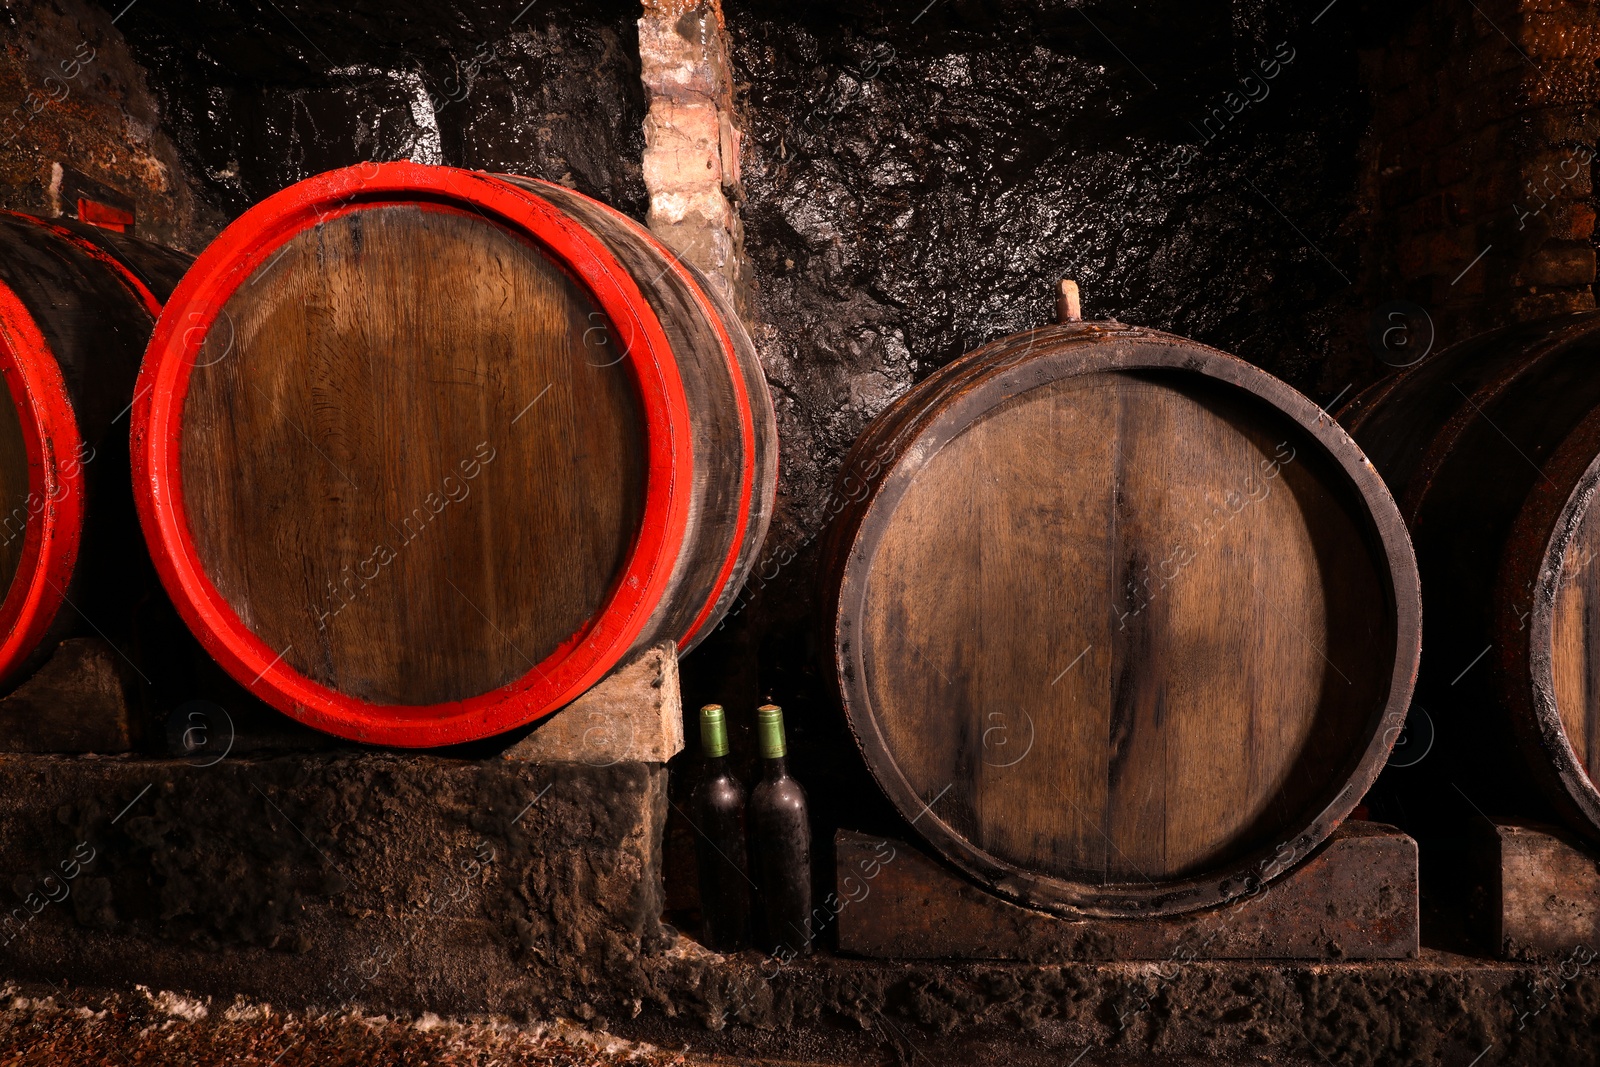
(1477, 168)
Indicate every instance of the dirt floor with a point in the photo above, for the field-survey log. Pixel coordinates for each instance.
(78, 1027)
(73, 1027)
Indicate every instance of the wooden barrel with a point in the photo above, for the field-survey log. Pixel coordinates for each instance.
(77, 306)
(1492, 448)
(1122, 624)
(422, 453)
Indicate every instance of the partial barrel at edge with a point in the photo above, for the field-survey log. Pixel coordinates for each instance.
(77, 306)
(1492, 447)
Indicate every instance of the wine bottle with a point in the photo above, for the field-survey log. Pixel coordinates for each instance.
(717, 805)
(781, 836)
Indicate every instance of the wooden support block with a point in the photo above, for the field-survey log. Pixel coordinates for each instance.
(1356, 899)
(1544, 890)
(634, 713)
(74, 703)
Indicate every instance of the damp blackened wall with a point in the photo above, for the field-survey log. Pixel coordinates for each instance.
(915, 188)
(918, 176)
(259, 95)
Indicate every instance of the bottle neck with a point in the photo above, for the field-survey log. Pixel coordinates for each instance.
(716, 767)
(776, 766)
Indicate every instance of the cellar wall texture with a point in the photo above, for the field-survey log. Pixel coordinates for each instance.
(239, 100)
(1477, 173)
(77, 113)
(914, 184)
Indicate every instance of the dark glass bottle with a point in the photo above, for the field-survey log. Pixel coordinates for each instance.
(781, 839)
(717, 807)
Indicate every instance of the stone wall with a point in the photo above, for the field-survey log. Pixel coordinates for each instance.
(197, 111)
(337, 879)
(77, 114)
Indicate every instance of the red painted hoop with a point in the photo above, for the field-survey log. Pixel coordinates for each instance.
(54, 527)
(741, 396)
(156, 450)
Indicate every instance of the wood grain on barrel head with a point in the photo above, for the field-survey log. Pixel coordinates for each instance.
(408, 461)
(14, 511)
(1132, 621)
(1575, 643)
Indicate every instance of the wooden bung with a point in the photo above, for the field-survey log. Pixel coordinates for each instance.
(1492, 448)
(423, 453)
(1123, 625)
(77, 305)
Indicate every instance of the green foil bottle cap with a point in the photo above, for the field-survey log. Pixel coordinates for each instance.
(713, 731)
(769, 728)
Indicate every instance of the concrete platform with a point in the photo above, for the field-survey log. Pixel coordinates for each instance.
(335, 878)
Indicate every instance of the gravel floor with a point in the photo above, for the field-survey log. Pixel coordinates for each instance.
(72, 1027)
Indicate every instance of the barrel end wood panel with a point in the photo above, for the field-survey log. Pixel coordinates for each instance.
(401, 463)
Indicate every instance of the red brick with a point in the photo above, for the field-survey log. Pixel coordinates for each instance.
(1569, 36)
(1571, 220)
(1543, 305)
(1556, 173)
(1558, 263)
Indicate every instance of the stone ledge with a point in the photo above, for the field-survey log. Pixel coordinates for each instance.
(1439, 1009)
(1356, 898)
(345, 878)
(411, 884)
(634, 714)
(1544, 890)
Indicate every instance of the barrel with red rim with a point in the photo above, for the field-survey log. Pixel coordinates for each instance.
(76, 310)
(422, 453)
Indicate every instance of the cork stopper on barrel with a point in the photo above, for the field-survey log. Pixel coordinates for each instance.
(1068, 308)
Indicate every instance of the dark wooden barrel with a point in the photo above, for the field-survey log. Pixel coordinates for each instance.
(422, 453)
(77, 306)
(1122, 624)
(1492, 448)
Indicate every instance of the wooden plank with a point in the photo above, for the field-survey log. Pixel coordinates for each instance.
(1575, 644)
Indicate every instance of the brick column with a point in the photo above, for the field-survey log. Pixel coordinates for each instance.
(1478, 166)
(691, 155)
